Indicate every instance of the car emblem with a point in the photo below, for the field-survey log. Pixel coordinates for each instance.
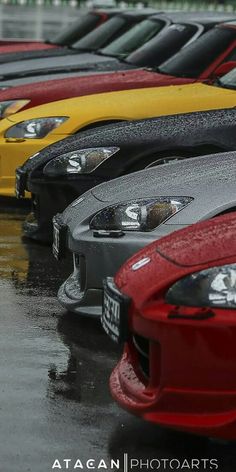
(141, 263)
(79, 200)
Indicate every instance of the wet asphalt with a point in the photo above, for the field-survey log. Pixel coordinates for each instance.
(54, 370)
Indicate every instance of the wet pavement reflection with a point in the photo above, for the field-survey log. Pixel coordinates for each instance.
(54, 366)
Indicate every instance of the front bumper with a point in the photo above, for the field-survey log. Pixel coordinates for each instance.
(50, 197)
(13, 155)
(200, 404)
(86, 303)
(98, 258)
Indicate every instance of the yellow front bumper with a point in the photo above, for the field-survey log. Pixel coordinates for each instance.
(13, 155)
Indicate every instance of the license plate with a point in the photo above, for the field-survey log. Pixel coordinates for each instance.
(59, 239)
(115, 312)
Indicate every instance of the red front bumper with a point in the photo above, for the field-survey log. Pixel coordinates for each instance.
(191, 384)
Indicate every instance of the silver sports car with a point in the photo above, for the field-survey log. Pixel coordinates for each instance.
(112, 221)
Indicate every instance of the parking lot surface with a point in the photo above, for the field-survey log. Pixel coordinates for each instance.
(54, 397)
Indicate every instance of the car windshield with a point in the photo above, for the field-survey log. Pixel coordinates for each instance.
(228, 80)
(163, 46)
(133, 39)
(77, 30)
(194, 60)
(104, 34)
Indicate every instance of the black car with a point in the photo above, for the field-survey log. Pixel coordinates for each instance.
(91, 53)
(62, 172)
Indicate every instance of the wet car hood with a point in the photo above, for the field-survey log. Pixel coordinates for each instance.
(208, 180)
(49, 91)
(31, 53)
(46, 75)
(57, 64)
(208, 242)
(189, 177)
(136, 137)
(174, 256)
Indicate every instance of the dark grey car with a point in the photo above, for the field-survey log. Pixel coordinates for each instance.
(111, 222)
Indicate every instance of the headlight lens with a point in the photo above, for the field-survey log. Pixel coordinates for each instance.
(214, 287)
(138, 215)
(35, 129)
(82, 161)
(9, 107)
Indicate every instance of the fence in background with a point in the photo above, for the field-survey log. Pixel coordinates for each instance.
(43, 18)
(211, 5)
(35, 22)
(199, 5)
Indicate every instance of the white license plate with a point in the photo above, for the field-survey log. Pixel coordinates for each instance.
(115, 312)
(111, 317)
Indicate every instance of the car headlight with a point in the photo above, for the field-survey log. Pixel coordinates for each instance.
(82, 161)
(213, 287)
(138, 215)
(9, 107)
(35, 129)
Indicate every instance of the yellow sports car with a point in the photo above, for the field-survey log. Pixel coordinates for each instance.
(25, 133)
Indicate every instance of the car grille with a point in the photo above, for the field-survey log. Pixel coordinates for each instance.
(141, 346)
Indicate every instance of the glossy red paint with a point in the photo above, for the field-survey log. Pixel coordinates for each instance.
(191, 384)
(21, 46)
(53, 90)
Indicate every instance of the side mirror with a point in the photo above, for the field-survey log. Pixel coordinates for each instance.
(223, 69)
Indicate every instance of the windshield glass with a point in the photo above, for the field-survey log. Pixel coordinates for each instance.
(192, 61)
(77, 30)
(104, 34)
(228, 80)
(163, 46)
(133, 39)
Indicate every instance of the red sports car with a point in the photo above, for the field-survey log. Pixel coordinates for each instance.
(66, 37)
(210, 56)
(201, 58)
(174, 306)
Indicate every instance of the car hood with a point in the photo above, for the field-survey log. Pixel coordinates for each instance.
(13, 47)
(51, 75)
(58, 64)
(49, 91)
(207, 242)
(188, 177)
(208, 180)
(141, 137)
(130, 103)
(172, 257)
(45, 75)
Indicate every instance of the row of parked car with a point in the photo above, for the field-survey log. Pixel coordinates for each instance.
(122, 133)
